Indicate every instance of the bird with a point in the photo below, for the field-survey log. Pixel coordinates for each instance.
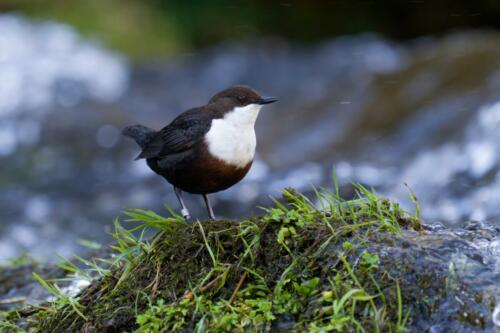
(205, 149)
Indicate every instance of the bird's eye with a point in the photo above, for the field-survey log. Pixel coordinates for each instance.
(240, 98)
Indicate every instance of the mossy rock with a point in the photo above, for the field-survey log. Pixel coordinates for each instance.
(349, 266)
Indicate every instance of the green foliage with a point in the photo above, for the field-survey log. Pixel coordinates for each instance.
(152, 28)
(7, 326)
(309, 262)
(369, 261)
(64, 303)
(22, 260)
(163, 317)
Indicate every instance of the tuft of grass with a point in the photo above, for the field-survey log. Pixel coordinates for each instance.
(64, 303)
(305, 265)
(7, 326)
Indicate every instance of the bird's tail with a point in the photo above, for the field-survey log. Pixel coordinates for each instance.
(141, 134)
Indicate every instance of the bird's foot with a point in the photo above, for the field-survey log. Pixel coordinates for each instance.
(185, 214)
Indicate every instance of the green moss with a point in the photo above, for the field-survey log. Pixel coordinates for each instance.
(330, 266)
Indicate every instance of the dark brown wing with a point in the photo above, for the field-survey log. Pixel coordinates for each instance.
(188, 129)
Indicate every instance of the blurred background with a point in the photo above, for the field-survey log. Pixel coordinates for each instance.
(384, 93)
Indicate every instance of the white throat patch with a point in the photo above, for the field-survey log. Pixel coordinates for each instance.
(232, 138)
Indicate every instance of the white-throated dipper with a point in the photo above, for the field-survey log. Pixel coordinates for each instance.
(205, 149)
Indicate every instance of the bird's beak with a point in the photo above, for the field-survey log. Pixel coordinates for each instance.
(267, 100)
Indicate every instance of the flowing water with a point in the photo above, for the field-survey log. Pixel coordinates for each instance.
(424, 115)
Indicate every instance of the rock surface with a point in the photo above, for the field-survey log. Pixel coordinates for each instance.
(393, 271)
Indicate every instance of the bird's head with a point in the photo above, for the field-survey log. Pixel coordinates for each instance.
(240, 96)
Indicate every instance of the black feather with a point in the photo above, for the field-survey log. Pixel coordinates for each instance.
(142, 135)
(183, 133)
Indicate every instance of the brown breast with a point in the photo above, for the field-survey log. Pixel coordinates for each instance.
(205, 173)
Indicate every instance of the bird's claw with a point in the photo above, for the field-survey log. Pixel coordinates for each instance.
(185, 214)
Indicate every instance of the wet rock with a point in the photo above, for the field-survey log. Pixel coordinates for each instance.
(438, 279)
(18, 287)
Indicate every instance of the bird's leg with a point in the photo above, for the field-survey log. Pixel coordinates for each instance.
(209, 207)
(184, 210)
